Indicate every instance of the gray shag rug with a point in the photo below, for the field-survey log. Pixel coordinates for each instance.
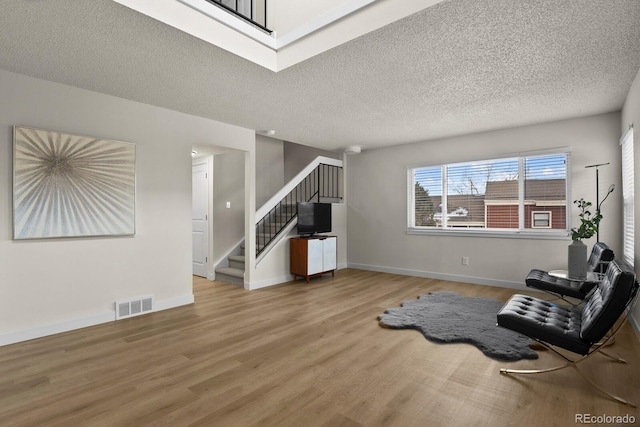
(447, 317)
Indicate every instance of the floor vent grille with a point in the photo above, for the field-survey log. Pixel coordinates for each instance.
(134, 307)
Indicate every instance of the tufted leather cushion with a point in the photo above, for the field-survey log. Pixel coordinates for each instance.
(607, 301)
(600, 257)
(536, 318)
(539, 279)
(573, 328)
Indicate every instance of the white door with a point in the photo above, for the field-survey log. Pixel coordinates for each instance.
(200, 218)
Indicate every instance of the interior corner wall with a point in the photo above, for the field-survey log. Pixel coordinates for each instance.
(298, 156)
(228, 186)
(53, 285)
(377, 203)
(269, 168)
(631, 116)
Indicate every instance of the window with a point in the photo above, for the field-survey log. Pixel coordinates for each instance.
(627, 197)
(513, 195)
(541, 219)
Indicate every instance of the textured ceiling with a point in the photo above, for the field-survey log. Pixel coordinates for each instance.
(458, 67)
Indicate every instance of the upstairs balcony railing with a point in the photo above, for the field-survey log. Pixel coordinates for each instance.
(252, 11)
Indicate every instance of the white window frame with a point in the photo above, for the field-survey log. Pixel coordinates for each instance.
(521, 232)
(628, 196)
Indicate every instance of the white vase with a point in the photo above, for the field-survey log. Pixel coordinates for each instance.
(577, 260)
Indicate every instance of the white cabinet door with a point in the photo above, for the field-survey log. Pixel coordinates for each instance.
(314, 256)
(329, 254)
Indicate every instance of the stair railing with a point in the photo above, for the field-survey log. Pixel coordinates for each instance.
(321, 179)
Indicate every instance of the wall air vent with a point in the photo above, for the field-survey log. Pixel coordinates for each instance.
(134, 307)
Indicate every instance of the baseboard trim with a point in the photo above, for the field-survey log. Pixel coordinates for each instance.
(279, 280)
(82, 322)
(174, 302)
(56, 328)
(442, 276)
(635, 324)
(268, 282)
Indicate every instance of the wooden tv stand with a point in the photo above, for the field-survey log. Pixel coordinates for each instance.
(313, 256)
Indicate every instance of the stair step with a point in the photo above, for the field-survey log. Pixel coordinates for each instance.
(236, 261)
(230, 275)
(230, 271)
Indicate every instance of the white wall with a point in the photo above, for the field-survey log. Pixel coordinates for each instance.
(377, 203)
(369, 18)
(228, 186)
(269, 168)
(631, 115)
(47, 286)
(287, 15)
(298, 156)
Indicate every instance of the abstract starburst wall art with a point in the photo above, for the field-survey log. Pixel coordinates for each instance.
(71, 186)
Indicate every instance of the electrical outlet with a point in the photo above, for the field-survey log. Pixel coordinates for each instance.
(228, 205)
(465, 260)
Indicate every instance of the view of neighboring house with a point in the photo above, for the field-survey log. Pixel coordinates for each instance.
(464, 210)
(544, 206)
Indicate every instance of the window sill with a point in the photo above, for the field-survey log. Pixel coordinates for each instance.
(535, 235)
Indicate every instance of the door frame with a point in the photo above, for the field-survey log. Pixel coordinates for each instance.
(208, 161)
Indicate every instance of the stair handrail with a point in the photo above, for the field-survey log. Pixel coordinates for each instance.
(293, 183)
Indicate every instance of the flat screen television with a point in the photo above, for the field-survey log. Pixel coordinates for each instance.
(314, 218)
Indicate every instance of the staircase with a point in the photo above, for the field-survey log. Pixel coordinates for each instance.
(320, 181)
(274, 223)
(233, 272)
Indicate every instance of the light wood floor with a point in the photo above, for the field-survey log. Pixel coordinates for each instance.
(294, 355)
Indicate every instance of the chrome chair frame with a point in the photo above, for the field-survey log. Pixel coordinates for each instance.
(584, 331)
(597, 348)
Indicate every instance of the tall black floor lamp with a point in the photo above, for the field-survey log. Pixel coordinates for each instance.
(598, 202)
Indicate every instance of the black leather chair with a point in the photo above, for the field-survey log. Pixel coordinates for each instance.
(585, 330)
(600, 257)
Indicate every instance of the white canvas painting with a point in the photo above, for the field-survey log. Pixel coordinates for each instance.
(71, 186)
